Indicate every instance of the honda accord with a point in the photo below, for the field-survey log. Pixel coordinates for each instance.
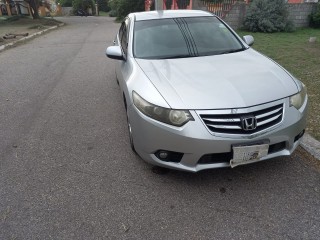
(197, 96)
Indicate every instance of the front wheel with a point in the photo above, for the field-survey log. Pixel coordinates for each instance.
(130, 135)
(129, 125)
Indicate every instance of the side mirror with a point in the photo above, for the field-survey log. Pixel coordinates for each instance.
(114, 52)
(248, 40)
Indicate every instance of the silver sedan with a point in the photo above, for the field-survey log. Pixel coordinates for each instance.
(197, 96)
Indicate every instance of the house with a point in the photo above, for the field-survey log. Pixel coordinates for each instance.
(14, 7)
(21, 7)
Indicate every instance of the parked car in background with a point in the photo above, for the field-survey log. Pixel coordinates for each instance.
(197, 96)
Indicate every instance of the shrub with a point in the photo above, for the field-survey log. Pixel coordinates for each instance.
(65, 3)
(112, 13)
(103, 5)
(268, 16)
(83, 5)
(123, 7)
(315, 18)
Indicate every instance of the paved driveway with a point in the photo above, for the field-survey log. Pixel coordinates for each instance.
(67, 171)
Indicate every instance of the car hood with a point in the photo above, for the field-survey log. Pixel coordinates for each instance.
(233, 80)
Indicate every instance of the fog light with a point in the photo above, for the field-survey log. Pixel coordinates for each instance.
(163, 155)
(168, 156)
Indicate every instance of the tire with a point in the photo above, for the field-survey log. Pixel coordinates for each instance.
(118, 84)
(129, 126)
(130, 135)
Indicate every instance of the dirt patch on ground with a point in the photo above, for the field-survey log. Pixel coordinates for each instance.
(23, 25)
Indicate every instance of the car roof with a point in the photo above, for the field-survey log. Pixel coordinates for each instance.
(140, 16)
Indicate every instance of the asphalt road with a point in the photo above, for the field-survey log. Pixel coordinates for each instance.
(67, 171)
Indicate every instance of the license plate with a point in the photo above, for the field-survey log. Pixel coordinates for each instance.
(248, 154)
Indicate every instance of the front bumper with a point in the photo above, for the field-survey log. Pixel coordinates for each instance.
(203, 149)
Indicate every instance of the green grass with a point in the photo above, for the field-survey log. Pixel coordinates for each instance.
(26, 20)
(103, 14)
(294, 52)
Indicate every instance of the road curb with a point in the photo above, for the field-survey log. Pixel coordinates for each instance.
(311, 145)
(3, 47)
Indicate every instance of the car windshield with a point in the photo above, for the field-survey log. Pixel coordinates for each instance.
(183, 37)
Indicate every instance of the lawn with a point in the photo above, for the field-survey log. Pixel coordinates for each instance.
(294, 52)
(103, 14)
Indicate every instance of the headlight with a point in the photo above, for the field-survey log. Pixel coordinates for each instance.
(298, 99)
(170, 116)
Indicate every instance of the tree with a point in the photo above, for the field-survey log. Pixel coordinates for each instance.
(103, 5)
(65, 3)
(122, 8)
(315, 18)
(34, 5)
(83, 5)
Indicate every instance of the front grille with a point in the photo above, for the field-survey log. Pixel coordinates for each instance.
(232, 123)
(215, 158)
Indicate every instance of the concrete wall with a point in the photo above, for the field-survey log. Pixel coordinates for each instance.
(236, 15)
(66, 11)
(298, 13)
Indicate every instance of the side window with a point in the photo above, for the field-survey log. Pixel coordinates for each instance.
(123, 36)
(120, 33)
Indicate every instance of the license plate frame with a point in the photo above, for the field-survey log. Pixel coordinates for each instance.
(248, 154)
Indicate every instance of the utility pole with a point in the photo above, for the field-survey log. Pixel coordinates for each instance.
(158, 5)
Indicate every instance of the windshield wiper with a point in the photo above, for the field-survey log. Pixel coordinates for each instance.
(176, 56)
(233, 51)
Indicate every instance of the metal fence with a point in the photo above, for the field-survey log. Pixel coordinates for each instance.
(177, 4)
(219, 7)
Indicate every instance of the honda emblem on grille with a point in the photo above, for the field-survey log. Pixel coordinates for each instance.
(249, 123)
